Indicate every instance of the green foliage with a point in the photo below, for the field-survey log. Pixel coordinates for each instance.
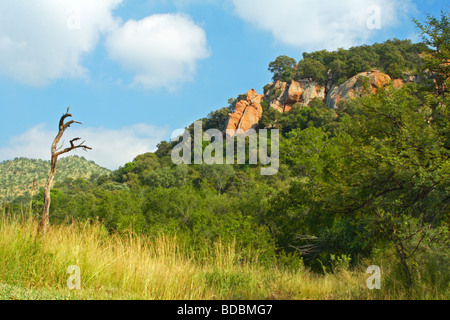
(282, 68)
(317, 114)
(394, 57)
(219, 176)
(388, 164)
(167, 177)
(340, 263)
(314, 69)
(24, 177)
(164, 149)
(218, 119)
(232, 101)
(436, 35)
(339, 71)
(367, 180)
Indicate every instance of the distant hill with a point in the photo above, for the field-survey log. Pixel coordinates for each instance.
(18, 176)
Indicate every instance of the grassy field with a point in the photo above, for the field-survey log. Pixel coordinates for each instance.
(131, 267)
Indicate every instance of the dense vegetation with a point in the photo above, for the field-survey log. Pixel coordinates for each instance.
(21, 177)
(397, 58)
(357, 184)
(115, 266)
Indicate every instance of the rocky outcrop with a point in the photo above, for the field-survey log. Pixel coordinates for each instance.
(362, 83)
(275, 94)
(407, 78)
(282, 96)
(288, 94)
(247, 113)
(312, 91)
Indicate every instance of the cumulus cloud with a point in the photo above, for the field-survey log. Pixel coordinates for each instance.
(44, 40)
(110, 148)
(326, 24)
(162, 50)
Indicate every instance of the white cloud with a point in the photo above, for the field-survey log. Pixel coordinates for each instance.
(110, 148)
(162, 50)
(44, 40)
(317, 25)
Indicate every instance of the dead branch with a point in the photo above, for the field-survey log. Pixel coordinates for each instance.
(55, 154)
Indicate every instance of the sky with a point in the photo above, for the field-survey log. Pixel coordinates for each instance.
(133, 72)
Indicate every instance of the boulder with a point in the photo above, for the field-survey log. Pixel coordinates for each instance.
(282, 96)
(312, 91)
(356, 86)
(303, 92)
(294, 93)
(279, 88)
(247, 113)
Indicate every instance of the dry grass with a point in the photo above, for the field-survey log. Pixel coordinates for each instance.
(132, 267)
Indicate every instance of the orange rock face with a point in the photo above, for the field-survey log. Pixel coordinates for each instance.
(302, 92)
(294, 93)
(278, 103)
(247, 113)
(357, 86)
(282, 96)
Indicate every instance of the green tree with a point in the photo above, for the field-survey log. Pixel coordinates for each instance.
(388, 165)
(283, 68)
(144, 163)
(310, 68)
(217, 175)
(392, 60)
(355, 65)
(217, 119)
(436, 35)
(338, 70)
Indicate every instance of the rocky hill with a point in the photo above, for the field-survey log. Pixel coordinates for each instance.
(332, 77)
(24, 177)
(282, 96)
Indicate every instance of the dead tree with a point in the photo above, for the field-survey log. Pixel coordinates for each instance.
(56, 152)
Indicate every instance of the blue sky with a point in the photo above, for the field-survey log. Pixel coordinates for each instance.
(135, 71)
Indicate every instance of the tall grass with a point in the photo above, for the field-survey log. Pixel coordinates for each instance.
(127, 266)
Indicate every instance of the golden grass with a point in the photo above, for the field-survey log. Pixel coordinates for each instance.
(162, 268)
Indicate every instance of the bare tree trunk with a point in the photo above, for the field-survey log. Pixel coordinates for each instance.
(45, 213)
(43, 225)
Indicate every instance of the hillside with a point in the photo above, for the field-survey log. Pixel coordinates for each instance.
(18, 176)
(329, 77)
(363, 177)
